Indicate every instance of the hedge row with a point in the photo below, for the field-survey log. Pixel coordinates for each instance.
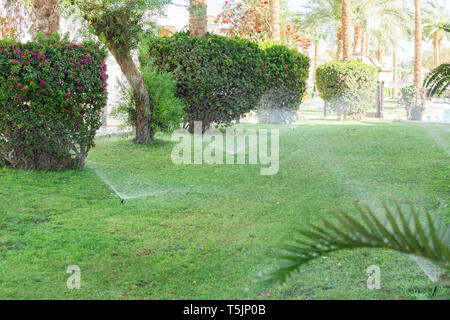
(221, 78)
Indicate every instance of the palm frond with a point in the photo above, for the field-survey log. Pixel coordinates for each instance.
(446, 27)
(438, 80)
(405, 233)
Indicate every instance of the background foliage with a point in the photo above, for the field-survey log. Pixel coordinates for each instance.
(348, 87)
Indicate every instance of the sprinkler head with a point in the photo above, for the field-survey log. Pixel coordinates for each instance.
(122, 201)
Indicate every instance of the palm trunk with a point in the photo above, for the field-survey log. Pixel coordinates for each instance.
(316, 57)
(346, 30)
(416, 112)
(366, 45)
(274, 20)
(143, 103)
(197, 18)
(417, 46)
(379, 54)
(436, 57)
(394, 70)
(44, 17)
(357, 40)
(340, 43)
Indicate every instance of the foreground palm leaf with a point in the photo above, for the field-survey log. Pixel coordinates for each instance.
(405, 233)
(438, 80)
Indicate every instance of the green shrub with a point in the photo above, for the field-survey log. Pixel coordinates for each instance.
(408, 96)
(51, 97)
(168, 113)
(218, 78)
(285, 71)
(349, 88)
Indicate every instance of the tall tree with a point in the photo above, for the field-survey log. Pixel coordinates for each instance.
(325, 17)
(274, 20)
(44, 17)
(197, 18)
(120, 24)
(346, 30)
(435, 15)
(417, 47)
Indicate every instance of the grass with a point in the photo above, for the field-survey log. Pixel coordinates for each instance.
(149, 247)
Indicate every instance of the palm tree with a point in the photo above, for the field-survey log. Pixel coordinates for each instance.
(346, 17)
(434, 16)
(197, 18)
(325, 16)
(438, 80)
(44, 17)
(274, 20)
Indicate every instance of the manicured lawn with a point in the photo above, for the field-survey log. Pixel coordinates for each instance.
(149, 247)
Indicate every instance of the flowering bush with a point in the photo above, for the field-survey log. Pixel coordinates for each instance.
(249, 19)
(218, 78)
(51, 96)
(348, 87)
(285, 72)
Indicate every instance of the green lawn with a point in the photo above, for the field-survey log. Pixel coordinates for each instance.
(149, 247)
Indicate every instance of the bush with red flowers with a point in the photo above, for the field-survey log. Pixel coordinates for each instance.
(51, 96)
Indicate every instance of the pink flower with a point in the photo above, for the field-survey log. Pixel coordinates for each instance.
(263, 294)
(80, 88)
(69, 96)
(201, 248)
(42, 83)
(20, 96)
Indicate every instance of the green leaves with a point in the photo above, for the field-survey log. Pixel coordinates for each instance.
(438, 80)
(409, 233)
(51, 96)
(348, 87)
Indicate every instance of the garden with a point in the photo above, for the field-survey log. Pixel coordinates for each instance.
(218, 182)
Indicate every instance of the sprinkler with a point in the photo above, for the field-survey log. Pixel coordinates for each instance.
(122, 201)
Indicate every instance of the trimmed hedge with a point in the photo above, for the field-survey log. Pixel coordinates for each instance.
(285, 72)
(51, 97)
(218, 78)
(348, 87)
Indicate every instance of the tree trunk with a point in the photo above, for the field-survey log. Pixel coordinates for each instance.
(316, 57)
(366, 44)
(379, 54)
(417, 46)
(394, 70)
(197, 18)
(274, 20)
(340, 43)
(346, 30)
(417, 110)
(44, 17)
(143, 103)
(436, 57)
(357, 40)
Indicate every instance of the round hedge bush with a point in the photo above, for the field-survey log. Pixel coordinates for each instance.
(285, 71)
(349, 88)
(218, 78)
(51, 97)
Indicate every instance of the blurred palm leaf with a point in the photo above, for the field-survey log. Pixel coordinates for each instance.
(446, 27)
(398, 231)
(438, 80)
